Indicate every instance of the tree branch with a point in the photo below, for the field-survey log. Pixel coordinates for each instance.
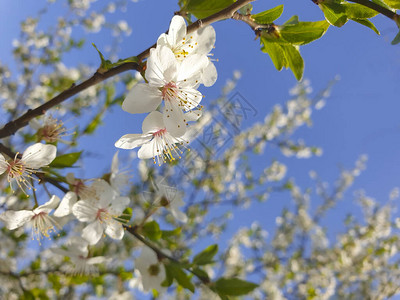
(13, 126)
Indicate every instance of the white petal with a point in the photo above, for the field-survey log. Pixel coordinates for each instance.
(115, 230)
(193, 98)
(146, 151)
(193, 115)
(130, 141)
(70, 177)
(3, 164)
(119, 204)
(115, 163)
(162, 41)
(205, 39)
(209, 75)
(84, 211)
(93, 232)
(191, 68)
(65, 207)
(174, 119)
(153, 122)
(39, 155)
(15, 219)
(48, 206)
(142, 98)
(96, 260)
(177, 30)
(180, 216)
(161, 66)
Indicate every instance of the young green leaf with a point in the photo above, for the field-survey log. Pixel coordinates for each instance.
(152, 230)
(234, 286)
(393, 3)
(367, 23)
(66, 160)
(303, 32)
(294, 60)
(206, 256)
(268, 16)
(175, 271)
(396, 40)
(357, 11)
(334, 13)
(275, 52)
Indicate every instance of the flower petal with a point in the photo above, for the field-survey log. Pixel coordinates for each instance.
(115, 230)
(15, 219)
(174, 119)
(48, 206)
(177, 30)
(147, 151)
(39, 155)
(96, 260)
(119, 204)
(65, 207)
(84, 211)
(130, 141)
(191, 68)
(193, 115)
(142, 98)
(3, 164)
(153, 122)
(209, 75)
(93, 232)
(161, 66)
(205, 38)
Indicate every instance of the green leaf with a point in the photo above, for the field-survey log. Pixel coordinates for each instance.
(107, 64)
(246, 10)
(303, 32)
(268, 16)
(383, 4)
(367, 23)
(152, 230)
(284, 55)
(393, 3)
(66, 160)
(171, 233)
(206, 256)
(275, 52)
(294, 60)
(234, 286)
(334, 13)
(181, 277)
(396, 40)
(357, 11)
(293, 20)
(204, 8)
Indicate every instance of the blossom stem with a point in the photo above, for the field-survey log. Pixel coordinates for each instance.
(13, 126)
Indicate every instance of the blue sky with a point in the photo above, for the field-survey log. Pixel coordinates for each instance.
(361, 116)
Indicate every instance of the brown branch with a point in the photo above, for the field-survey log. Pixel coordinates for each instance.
(13, 126)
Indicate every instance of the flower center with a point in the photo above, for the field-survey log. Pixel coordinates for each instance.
(43, 225)
(103, 215)
(154, 270)
(170, 91)
(15, 168)
(166, 147)
(184, 48)
(160, 133)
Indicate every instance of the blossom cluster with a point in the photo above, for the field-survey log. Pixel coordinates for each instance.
(175, 69)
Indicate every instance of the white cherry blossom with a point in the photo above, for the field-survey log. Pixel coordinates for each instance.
(175, 83)
(21, 169)
(39, 219)
(77, 251)
(156, 141)
(183, 45)
(152, 271)
(101, 212)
